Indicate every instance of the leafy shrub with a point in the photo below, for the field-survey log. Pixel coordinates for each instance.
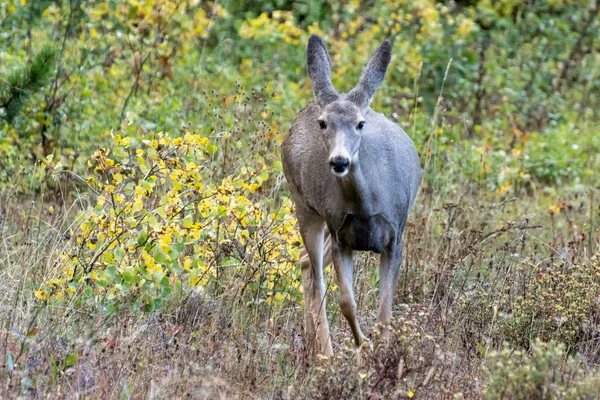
(544, 374)
(161, 222)
(559, 303)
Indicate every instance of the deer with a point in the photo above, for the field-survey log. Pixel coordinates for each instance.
(353, 176)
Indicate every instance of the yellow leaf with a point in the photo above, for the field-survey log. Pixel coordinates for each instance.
(138, 205)
(553, 209)
(117, 178)
(41, 294)
(504, 188)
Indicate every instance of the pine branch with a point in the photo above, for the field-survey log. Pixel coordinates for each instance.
(20, 85)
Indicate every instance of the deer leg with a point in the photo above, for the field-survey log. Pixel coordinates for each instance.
(342, 261)
(389, 267)
(327, 256)
(327, 251)
(307, 282)
(314, 284)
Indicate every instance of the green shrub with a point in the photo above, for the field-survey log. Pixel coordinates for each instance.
(546, 373)
(559, 303)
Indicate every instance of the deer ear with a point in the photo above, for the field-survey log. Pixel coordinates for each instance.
(372, 76)
(319, 70)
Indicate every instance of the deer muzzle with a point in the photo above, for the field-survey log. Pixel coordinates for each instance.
(339, 165)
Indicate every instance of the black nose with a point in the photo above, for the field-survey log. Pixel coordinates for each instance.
(339, 164)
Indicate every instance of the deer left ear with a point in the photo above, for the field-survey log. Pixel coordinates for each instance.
(372, 76)
(319, 70)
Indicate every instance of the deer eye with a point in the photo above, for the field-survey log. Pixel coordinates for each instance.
(322, 124)
(360, 125)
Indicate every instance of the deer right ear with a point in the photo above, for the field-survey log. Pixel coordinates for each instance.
(319, 70)
(372, 76)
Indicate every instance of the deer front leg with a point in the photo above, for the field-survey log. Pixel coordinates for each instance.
(307, 282)
(342, 261)
(312, 231)
(389, 267)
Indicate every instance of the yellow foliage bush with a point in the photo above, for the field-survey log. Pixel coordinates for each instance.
(162, 222)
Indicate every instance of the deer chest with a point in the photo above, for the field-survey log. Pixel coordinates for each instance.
(374, 233)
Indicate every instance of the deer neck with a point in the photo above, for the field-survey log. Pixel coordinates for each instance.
(354, 186)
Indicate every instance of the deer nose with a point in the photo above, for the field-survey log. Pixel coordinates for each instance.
(339, 163)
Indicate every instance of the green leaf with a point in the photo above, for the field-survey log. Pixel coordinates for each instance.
(211, 148)
(188, 221)
(147, 186)
(102, 282)
(264, 175)
(70, 360)
(173, 254)
(160, 258)
(179, 247)
(166, 291)
(130, 276)
(142, 238)
(119, 253)
(111, 271)
(109, 308)
(146, 306)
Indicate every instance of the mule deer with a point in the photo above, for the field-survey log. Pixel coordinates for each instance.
(354, 173)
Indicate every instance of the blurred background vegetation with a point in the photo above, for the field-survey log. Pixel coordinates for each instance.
(520, 86)
(140, 176)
